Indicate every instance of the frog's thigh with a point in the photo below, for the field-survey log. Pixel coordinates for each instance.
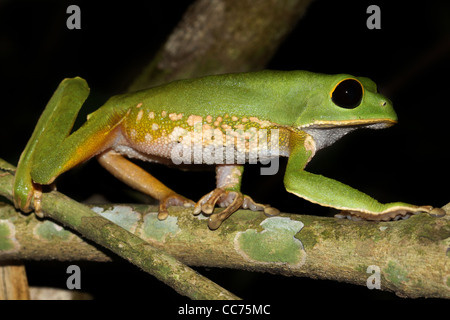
(133, 175)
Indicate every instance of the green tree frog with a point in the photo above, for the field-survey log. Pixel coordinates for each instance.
(224, 120)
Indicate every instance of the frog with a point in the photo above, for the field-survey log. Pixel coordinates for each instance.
(226, 121)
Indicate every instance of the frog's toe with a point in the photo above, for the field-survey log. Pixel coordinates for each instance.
(231, 206)
(437, 212)
(207, 203)
(252, 205)
(170, 201)
(37, 202)
(231, 201)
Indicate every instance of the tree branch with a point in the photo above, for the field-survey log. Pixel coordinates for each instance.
(94, 227)
(222, 37)
(412, 255)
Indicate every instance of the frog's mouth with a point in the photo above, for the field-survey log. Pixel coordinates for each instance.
(366, 123)
(325, 133)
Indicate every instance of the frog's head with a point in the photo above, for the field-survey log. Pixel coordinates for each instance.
(343, 104)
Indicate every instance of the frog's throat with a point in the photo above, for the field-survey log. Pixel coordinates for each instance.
(325, 133)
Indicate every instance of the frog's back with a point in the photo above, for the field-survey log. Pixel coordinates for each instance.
(264, 94)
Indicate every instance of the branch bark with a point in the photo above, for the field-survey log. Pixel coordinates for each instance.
(13, 282)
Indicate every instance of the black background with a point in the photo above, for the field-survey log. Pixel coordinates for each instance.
(409, 59)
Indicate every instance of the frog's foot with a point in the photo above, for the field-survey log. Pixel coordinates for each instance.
(37, 197)
(37, 200)
(171, 200)
(231, 201)
(395, 213)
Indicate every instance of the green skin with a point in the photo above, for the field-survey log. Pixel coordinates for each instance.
(298, 103)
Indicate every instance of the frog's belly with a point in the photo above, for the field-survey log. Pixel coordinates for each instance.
(194, 153)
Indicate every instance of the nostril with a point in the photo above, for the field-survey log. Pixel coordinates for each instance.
(383, 103)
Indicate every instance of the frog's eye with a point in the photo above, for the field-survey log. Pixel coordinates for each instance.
(347, 94)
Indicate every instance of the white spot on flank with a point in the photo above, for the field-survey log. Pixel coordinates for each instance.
(174, 116)
(139, 116)
(155, 126)
(148, 137)
(177, 133)
(194, 119)
(133, 134)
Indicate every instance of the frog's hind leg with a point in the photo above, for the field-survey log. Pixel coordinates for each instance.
(52, 129)
(141, 180)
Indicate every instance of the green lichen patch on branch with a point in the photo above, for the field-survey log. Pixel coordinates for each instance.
(7, 236)
(121, 215)
(51, 231)
(158, 230)
(276, 243)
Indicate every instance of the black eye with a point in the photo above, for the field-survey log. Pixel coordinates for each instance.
(347, 94)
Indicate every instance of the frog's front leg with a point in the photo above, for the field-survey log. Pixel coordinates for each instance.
(227, 194)
(332, 193)
(141, 180)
